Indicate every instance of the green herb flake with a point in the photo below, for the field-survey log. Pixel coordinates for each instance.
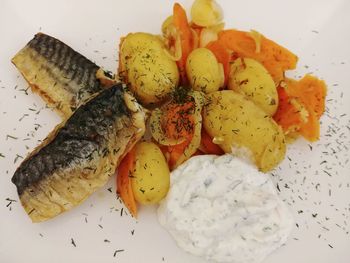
(11, 137)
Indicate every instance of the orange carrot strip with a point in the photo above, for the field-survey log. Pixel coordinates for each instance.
(311, 129)
(223, 56)
(208, 146)
(274, 57)
(310, 91)
(196, 28)
(310, 94)
(287, 115)
(181, 24)
(124, 188)
(198, 152)
(176, 151)
(178, 123)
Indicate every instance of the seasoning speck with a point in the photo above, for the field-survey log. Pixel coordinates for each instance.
(11, 137)
(278, 188)
(117, 251)
(73, 242)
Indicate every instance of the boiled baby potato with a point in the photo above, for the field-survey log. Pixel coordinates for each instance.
(151, 177)
(146, 66)
(237, 124)
(203, 71)
(206, 13)
(249, 77)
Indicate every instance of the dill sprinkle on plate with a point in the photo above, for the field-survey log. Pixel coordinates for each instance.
(11, 137)
(73, 242)
(117, 251)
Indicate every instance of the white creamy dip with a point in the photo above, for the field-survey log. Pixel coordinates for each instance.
(224, 210)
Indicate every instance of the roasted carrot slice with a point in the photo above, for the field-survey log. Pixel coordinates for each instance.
(176, 151)
(288, 116)
(301, 105)
(178, 122)
(124, 188)
(310, 91)
(274, 57)
(196, 28)
(181, 24)
(311, 129)
(223, 56)
(207, 145)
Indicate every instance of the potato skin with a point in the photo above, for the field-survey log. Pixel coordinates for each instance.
(236, 122)
(203, 70)
(150, 179)
(144, 64)
(250, 78)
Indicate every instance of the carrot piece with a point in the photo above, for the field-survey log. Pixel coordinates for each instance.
(208, 146)
(274, 57)
(178, 123)
(196, 28)
(124, 188)
(198, 152)
(181, 24)
(310, 91)
(173, 153)
(310, 130)
(223, 56)
(176, 151)
(288, 116)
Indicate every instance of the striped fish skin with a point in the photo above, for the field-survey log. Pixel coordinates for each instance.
(64, 78)
(80, 155)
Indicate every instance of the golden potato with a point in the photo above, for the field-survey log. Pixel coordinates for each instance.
(206, 13)
(146, 66)
(249, 77)
(151, 177)
(203, 71)
(236, 123)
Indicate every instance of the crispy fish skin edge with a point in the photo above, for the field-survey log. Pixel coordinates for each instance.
(48, 203)
(48, 88)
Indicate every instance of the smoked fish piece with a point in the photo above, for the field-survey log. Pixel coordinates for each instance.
(64, 78)
(80, 154)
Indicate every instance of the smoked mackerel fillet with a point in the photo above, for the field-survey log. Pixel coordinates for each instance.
(64, 78)
(79, 155)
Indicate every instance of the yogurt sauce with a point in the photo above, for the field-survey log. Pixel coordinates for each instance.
(224, 210)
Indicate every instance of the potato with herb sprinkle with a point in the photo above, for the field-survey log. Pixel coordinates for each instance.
(236, 123)
(146, 66)
(250, 78)
(150, 178)
(203, 71)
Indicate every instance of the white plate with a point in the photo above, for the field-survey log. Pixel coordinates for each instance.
(314, 179)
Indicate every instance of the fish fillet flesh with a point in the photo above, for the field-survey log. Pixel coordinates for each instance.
(79, 155)
(64, 78)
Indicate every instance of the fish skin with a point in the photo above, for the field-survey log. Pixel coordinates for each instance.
(64, 78)
(80, 155)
